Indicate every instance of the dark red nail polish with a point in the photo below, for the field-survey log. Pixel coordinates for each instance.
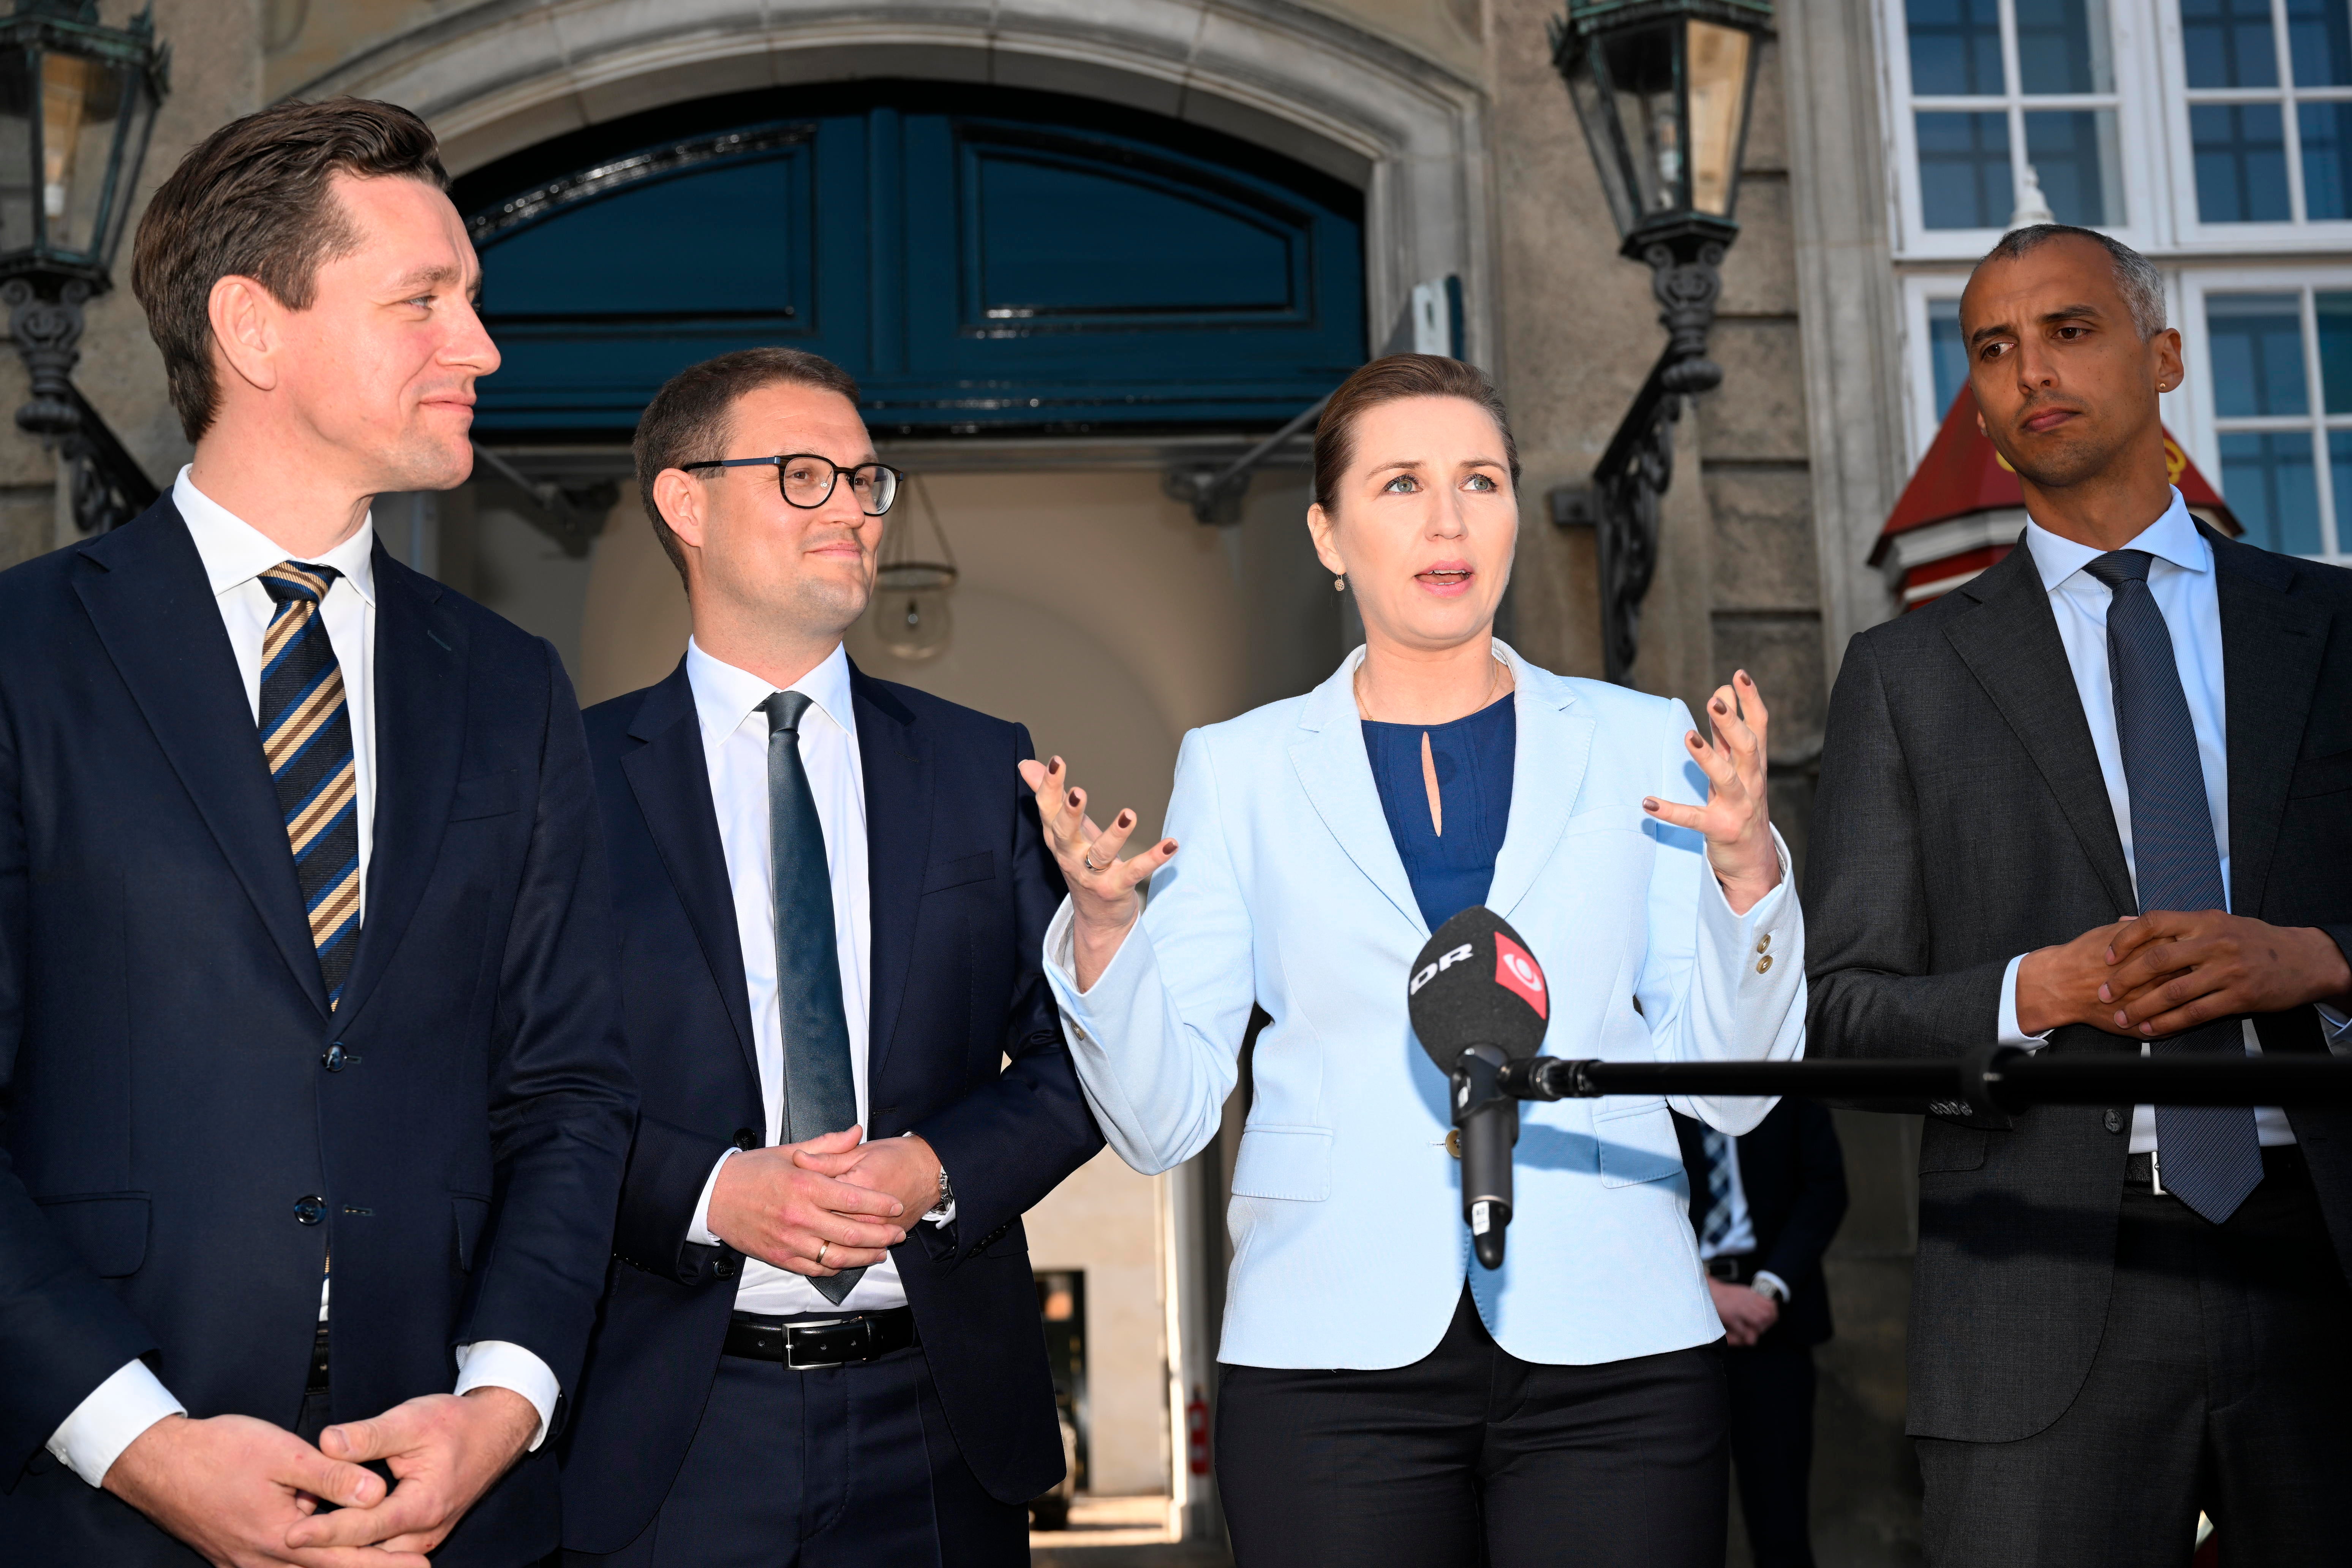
(1073, 797)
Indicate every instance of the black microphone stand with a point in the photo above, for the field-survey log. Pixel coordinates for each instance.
(1988, 1081)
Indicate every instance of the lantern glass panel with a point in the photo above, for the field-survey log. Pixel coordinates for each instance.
(82, 101)
(1609, 154)
(19, 194)
(1718, 91)
(1640, 66)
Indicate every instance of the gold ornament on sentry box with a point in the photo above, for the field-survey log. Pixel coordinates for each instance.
(912, 584)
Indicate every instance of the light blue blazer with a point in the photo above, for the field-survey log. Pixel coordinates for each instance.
(1349, 1245)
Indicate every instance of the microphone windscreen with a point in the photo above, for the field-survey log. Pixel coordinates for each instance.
(1477, 983)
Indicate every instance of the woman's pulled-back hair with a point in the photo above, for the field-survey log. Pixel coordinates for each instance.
(1386, 381)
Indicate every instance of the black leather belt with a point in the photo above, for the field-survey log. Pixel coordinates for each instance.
(2282, 1162)
(840, 1342)
(1732, 1267)
(317, 1384)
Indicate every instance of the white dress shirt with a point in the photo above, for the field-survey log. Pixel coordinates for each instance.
(235, 555)
(2180, 578)
(735, 750)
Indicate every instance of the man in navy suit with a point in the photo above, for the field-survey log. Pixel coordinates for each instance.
(821, 1342)
(305, 946)
(1766, 1205)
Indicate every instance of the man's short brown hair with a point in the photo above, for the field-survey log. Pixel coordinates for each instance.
(686, 421)
(252, 200)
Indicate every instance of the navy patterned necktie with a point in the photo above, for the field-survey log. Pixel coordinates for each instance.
(306, 737)
(820, 1094)
(2207, 1155)
(1721, 1150)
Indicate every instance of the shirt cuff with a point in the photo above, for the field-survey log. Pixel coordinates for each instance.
(1766, 1277)
(110, 1419)
(2008, 1033)
(699, 1231)
(499, 1364)
(2336, 1029)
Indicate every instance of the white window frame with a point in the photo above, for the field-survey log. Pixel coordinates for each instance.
(1921, 290)
(2298, 233)
(2136, 135)
(2204, 420)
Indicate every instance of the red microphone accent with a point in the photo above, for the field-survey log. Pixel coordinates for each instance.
(1516, 971)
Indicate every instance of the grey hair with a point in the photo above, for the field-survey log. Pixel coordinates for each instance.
(2136, 278)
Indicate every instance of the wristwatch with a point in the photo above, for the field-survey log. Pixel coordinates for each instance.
(947, 1196)
(1769, 1285)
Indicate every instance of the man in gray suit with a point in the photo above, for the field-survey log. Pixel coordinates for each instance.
(2099, 798)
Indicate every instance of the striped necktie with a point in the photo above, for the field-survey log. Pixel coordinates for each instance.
(1720, 1152)
(306, 737)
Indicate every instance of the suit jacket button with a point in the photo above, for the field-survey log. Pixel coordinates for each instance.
(746, 1140)
(2114, 1121)
(1764, 964)
(335, 1059)
(310, 1209)
(1764, 942)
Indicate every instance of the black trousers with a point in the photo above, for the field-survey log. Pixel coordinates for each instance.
(1470, 1458)
(1771, 1389)
(2221, 1382)
(847, 1467)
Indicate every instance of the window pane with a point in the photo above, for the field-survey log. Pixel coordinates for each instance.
(2228, 43)
(2062, 45)
(1964, 178)
(2335, 352)
(2074, 151)
(2326, 158)
(2257, 344)
(2267, 482)
(1955, 46)
(2319, 42)
(2241, 150)
(1947, 354)
(2339, 469)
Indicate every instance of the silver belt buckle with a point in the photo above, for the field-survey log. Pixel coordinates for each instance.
(794, 1363)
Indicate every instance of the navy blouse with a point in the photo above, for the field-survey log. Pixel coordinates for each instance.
(1452, 871)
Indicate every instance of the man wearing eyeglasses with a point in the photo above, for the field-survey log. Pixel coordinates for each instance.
(819, 1343)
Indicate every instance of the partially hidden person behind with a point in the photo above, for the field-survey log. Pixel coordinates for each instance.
(820, 1341)
(1384, 1400)
(2094, 801)
(1765, 1205)
(305, 948)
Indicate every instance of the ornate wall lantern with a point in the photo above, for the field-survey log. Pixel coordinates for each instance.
(1662, 88)
(78, 102)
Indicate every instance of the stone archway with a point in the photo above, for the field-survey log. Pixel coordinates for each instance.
(506, 74)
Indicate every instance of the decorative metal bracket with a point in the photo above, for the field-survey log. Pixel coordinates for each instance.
(572, 515)
(1215, 494)
(107, 485)
(1620, 504)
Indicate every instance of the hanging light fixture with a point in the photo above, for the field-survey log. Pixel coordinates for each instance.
(912, 585)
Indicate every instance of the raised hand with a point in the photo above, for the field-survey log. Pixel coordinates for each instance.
(1105, 890)
(1735, 819)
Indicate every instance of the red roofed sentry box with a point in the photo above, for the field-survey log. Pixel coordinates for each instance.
(1964, 509)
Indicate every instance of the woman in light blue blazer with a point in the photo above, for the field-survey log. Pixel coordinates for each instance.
(1384, 1400)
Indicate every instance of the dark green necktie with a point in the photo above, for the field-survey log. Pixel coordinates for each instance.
(820, 1093)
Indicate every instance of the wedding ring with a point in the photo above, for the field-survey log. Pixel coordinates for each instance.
(821, 1248)
(1089, 862)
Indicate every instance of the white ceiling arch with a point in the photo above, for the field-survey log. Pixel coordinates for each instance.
(499, 76)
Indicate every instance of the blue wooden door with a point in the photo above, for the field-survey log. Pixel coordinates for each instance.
(978, 261)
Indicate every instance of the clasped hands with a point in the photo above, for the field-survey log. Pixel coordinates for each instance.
(831, 1197)
(2171, 970)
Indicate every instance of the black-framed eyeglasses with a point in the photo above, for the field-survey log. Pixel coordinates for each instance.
(807, 479)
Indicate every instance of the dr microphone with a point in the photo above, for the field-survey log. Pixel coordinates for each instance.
(1478, 1004)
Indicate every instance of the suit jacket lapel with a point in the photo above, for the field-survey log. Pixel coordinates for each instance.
(154, 611)
(671, 778)
(2272, 648)
(1333, 769)
(896, 756)
(419, 663)
(2010, 642)
(1555, 746)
